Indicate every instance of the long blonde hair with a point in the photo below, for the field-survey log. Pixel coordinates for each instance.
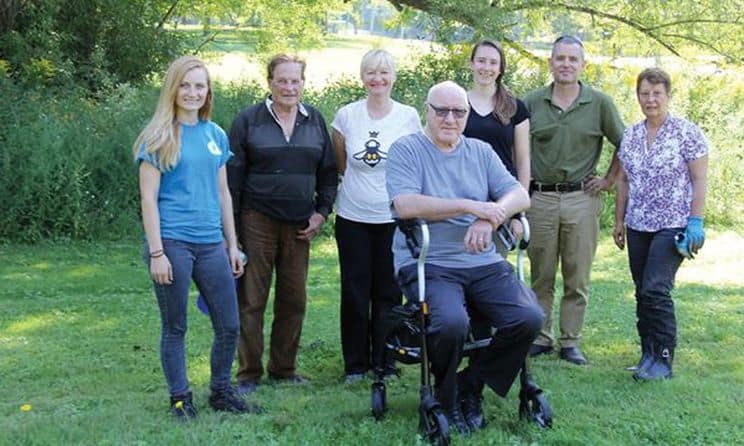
(161, 133)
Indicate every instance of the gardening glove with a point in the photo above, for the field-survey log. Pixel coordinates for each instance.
(694, 233)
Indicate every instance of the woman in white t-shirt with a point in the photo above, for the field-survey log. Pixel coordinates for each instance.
(363, 132)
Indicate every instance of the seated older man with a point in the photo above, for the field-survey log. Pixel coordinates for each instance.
(462, 189)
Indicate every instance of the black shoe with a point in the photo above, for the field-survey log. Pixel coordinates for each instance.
(537, 350)
(291, 379)
(227, 400)
(390, 372)
(182, 407)
(247, 387)
(457, 421)
(470, 403)
(572, 355)
(353, 378)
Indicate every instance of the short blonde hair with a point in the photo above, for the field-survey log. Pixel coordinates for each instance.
(375, 59)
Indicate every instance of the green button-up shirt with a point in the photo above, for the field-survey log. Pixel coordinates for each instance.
(566, 144)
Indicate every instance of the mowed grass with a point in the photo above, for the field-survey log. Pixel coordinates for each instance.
(79, 333)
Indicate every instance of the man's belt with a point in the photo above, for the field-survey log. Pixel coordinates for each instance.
(557, 187)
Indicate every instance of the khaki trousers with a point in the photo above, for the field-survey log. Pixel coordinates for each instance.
(271, 244)
(565, 228)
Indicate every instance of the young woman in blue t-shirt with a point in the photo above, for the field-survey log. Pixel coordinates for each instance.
(187, 217)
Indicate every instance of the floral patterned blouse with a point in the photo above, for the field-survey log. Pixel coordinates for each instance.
(660, 189)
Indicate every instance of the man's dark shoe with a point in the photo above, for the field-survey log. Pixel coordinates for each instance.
(457, 421)
(572, 355)
(182, 407)
(227, 400)
(470, 403)
(247, 387)
(390, 372)
(291, 379)
(537, 350)
(353, 378)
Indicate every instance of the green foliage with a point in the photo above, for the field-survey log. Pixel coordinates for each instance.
(79, 335)
(93, 43)
(67, 170)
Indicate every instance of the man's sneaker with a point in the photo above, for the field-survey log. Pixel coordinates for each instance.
(182, 407)
(247, 387)
(227, 400)
(457, 421)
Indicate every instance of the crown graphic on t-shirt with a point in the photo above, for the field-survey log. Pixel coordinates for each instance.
(373, 134)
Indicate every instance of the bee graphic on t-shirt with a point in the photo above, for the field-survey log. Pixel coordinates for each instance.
(371, 155)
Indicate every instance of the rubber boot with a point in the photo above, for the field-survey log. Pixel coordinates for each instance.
(647, 356)
(660, 367)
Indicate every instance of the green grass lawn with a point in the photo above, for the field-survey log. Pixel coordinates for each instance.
(79, 335)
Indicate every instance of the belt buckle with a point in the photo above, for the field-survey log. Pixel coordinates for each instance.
(561, 187)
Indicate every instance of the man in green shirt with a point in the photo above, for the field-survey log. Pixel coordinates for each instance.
(569, 120)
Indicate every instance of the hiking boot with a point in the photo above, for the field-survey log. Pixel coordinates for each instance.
(227, 400)
(182, 407)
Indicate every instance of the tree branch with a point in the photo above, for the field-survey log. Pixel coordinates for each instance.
(167, 14)
(206, 41)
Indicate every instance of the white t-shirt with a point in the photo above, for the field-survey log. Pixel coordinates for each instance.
(362, 196)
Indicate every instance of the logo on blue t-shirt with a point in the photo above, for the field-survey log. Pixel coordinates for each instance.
(213, 148)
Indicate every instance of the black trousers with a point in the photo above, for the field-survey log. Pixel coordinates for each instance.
(654, 262)
(368, 286)
(500, 299)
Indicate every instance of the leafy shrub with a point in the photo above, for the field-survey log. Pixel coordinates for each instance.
(66, 168)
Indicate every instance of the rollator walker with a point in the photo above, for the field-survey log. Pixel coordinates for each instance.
(403, 333)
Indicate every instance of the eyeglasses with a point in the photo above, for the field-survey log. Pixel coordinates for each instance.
(443, 112)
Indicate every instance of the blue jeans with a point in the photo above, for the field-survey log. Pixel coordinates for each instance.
(654, 262)
(209, 267)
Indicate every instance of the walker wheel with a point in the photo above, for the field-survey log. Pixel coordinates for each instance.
(379, 403)
(435, 427)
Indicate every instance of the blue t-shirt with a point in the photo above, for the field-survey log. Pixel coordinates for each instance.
(189, 196)
(472, 171)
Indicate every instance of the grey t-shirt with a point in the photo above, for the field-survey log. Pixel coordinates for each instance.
(473, 170)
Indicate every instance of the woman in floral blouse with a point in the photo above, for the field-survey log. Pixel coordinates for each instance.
(660, 196)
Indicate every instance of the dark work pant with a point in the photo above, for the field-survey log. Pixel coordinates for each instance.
(368, 286)
(654, 262)
(498, 296)
(271, 244)
(209, 267)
